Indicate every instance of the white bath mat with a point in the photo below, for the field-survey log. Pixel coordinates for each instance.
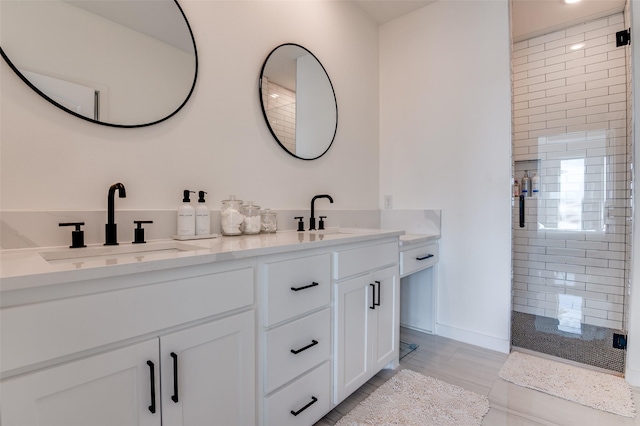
(591, 388)
(410, 398)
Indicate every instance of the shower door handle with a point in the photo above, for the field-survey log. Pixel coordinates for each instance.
(521, 207)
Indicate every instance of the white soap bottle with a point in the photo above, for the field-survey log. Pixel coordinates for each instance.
(525, 184)
(186, 216)
(535, 185)
(203, 216)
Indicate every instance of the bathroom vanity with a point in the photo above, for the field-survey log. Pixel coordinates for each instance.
(419, 255)
(270, 329)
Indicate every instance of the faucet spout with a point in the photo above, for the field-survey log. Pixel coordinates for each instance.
(111, 232)
(312, 219)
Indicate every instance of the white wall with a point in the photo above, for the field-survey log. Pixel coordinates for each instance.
(219, 142)
(445, 136)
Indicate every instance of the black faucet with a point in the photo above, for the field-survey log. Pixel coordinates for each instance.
(111, 229)
(312, 219)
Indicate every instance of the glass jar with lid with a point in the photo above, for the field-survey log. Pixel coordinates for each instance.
(231, 217)
(269, 222)
(252, 218)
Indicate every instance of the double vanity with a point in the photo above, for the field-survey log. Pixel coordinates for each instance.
(270, 329)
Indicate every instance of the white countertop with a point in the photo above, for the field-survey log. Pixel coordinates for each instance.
(411, 239)
(26, 268)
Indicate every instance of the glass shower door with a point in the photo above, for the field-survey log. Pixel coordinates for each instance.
(571, 246)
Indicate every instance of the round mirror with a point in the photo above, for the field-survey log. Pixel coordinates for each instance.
(298, 101)
(121, 63)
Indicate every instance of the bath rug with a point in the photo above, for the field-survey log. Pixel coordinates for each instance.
(412, 399)
(591, 388)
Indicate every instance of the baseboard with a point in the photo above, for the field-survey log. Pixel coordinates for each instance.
(472, 338)
(632, 377)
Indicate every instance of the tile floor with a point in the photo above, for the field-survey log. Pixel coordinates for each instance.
(477, 369)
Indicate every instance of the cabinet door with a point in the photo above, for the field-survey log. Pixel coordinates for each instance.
(208, 373)
(385, 329)
(353, 303)
(109, 389)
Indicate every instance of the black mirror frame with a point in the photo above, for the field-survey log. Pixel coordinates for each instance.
(264, 112)
(47, 98)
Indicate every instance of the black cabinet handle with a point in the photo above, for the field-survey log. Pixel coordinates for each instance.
(427, 256)
(373, 297)
(174, 397)
(521, 206)
(313, 401)
(313, 343)
(306, 286)
(152, 371)
(378, 304)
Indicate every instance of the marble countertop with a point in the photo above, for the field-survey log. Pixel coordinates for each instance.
(412, 239)
(27, 268)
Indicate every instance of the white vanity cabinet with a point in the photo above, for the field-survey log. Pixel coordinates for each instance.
(419, 273)
(177, 352)
(109, 389)
(207, 373)
(296, 338)
(366, 303)
(257, 330)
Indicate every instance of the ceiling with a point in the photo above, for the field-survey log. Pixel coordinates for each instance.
(530, 18)
(387, 10)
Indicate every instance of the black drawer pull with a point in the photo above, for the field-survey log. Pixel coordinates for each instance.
(296, 352)
(313, 401)
(379, 291)
(174, 397)
(306, 286)
(373, 297)
(428, 256)
(152, 371)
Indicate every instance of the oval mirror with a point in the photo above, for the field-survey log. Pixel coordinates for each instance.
(121, 63)
(298, 101)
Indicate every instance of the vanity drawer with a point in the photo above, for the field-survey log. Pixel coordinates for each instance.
(313, 388)
(356, 261)
(310, 337)
(297, 286)
(45, 331)
(418, 258)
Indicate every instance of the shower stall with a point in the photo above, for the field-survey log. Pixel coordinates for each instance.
(572, 239)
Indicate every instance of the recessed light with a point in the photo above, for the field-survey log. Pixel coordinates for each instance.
(274, 95)
(577, 46)
(571, 1)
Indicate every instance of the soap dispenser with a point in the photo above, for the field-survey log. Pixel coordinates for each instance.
(525, 184)
(203, 216)
(535, 185)
(186, 216)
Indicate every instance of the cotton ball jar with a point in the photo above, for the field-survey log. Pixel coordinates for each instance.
(231, 216)
(252, 219)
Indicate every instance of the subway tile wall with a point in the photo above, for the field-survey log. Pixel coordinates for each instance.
(280, 105)
(570, 110)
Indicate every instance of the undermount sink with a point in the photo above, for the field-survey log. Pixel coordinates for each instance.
(97, 252)
(330, 231)
(337, 230)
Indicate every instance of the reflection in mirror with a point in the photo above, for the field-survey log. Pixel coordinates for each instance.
(122, 63)
(298, 101)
